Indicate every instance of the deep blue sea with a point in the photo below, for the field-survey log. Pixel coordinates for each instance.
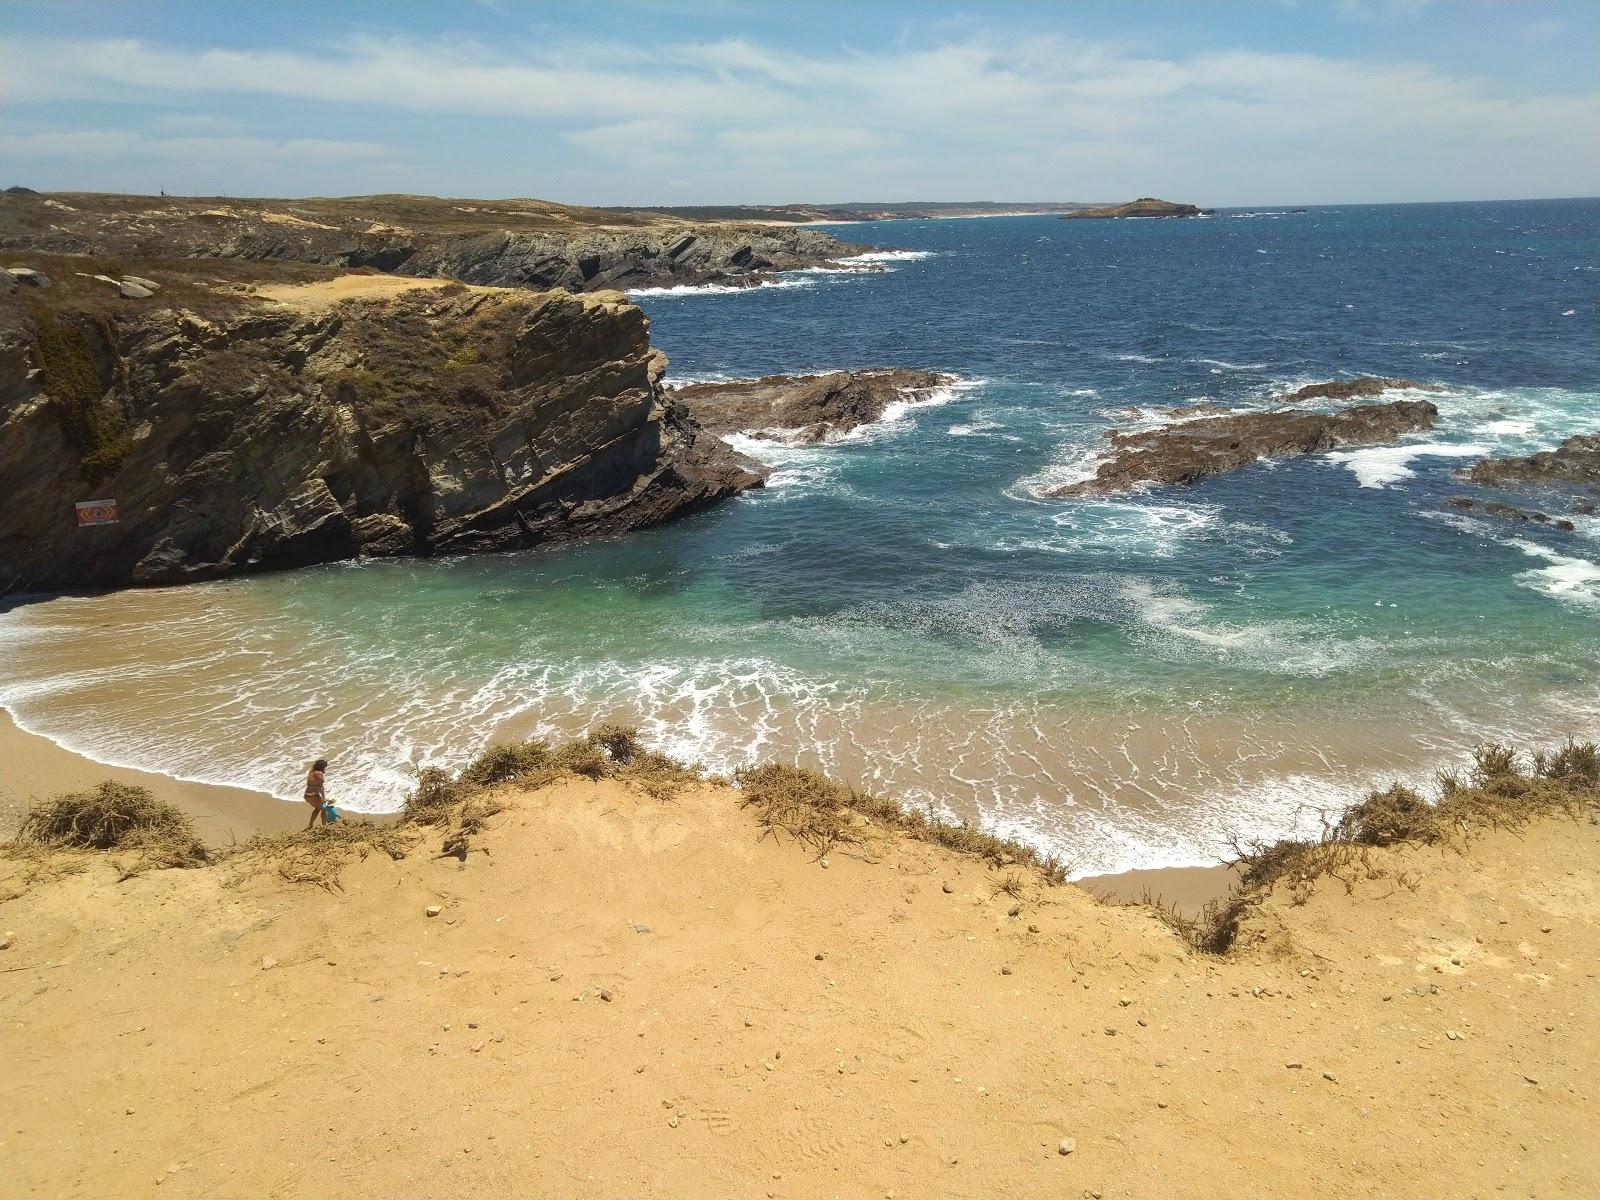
(1128, 681)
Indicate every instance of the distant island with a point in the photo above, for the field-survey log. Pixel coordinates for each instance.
(1144, 206)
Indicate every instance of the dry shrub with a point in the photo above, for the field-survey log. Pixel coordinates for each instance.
(621, 742)
(1576, 764)
(1497, 794)
(1384, 818)
(318, 855)
(507, 763)
(116, 816)
(822, 814)
(436, 795)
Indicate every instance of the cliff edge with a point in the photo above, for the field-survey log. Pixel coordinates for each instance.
(258, 425)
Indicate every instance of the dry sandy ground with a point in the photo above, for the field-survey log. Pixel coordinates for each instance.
(309, 297)
(623, 997)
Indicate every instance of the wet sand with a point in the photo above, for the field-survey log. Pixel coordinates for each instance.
(1187, 889)
(34, 768)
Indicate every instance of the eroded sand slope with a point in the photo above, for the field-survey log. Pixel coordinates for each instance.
(774, 1028)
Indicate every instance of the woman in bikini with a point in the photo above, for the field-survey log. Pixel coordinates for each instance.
(314, 793)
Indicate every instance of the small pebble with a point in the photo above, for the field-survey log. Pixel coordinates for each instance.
(1330, 1077)
(605, 994)
(434, 910)
(1005, 970)
(268, 963)
(818, 956)
(1066, 1146)
(1014, 910)
(947, 889)
(1293, 1066)
(1033, 929)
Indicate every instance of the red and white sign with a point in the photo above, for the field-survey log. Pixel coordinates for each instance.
(97, 512)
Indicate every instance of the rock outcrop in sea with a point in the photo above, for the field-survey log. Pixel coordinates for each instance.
(1575, 464)
(1358, 388)
(806, 409)
(349, 417)
(1563, 477)
(1196, 449)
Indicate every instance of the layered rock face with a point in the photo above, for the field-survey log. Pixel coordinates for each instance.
(668, 257)
(502, 243)
(1193, 450)
(430, 420)
(806, 409)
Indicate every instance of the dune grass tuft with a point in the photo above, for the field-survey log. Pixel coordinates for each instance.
(823, 814)
(116, 817)
(1497, 793)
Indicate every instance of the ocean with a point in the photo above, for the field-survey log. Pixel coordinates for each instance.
(1130, 682)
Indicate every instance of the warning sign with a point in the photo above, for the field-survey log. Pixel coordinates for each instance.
(97, 512)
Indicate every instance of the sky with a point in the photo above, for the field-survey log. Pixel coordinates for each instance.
(738, 101)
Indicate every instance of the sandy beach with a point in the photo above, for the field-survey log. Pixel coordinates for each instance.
(616, 995)
(34, 768)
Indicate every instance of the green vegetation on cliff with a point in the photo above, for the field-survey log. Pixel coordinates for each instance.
(93, 424)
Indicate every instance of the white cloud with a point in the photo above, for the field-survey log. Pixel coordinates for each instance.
(1040, 116)
(78, 143)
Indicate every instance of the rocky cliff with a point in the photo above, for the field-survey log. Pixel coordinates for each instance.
(312, 422)
(511, 243)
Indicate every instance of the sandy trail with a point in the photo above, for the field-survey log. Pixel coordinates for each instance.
(626, 997)
(308, 297)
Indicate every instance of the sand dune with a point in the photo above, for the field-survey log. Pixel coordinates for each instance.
(622, 996)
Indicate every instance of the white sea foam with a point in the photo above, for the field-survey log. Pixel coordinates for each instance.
(1571, 580)
(722, 289)
(1229, 366)
(888, 256)
(1379, 466)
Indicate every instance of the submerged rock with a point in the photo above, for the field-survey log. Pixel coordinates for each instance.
(806, 409)
(436, 420)
(1346, 389)
(1193, 450)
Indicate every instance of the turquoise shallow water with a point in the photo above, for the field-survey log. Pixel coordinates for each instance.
(1128, 681)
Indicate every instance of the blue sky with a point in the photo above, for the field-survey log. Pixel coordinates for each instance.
(729, 101)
